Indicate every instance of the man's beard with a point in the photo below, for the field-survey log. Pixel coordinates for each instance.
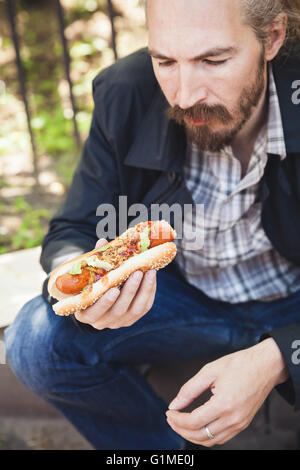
(205, 138)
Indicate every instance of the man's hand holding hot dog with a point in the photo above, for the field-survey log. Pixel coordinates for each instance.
(89, 286)
(119, 308)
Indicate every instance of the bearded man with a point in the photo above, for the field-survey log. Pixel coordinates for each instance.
(207, 115)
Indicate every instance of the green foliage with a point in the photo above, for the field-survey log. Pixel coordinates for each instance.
(54, 133)
(31, 232)
(33, 226)
(3, 184)
(48, 98)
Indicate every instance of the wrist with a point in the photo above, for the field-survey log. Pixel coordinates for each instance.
(274, 361)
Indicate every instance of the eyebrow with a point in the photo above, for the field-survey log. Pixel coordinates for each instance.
(217, 51)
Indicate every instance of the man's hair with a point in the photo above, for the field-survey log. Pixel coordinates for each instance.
(259, 14)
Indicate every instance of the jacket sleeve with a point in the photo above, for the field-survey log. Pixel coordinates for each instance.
(288, 340)
(73, 229)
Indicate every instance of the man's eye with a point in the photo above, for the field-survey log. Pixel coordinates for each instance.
(165, 64)
(215, 62)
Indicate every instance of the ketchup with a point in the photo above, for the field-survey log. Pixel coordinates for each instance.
(130, 250)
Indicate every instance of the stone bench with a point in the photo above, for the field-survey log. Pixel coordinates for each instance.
(17, 283)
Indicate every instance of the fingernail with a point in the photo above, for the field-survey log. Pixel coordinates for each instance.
(151, 275)
(113, 294)
(175, 404)
(101, 243)
(137, 276)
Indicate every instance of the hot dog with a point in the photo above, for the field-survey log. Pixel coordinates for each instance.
(78, 283)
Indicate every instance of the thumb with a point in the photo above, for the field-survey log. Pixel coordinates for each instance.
(192, 389)
(101, 242)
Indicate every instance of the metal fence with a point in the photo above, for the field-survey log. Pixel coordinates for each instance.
(11, 16)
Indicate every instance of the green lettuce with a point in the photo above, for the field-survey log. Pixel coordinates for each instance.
(92, 261)
(145, 239)
(95, 262)
(104, 248)
(76, 268)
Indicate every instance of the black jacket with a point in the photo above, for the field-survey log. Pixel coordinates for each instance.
(134, 150)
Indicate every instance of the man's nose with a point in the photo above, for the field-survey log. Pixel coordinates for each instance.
(190, 91)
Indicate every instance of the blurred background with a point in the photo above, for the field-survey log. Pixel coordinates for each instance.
(50, 51)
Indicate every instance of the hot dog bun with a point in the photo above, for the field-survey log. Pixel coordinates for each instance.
(156, 257)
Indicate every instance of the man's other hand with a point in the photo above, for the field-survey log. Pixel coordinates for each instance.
(239, 382)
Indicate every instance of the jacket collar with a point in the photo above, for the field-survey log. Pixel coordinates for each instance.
(160, 144)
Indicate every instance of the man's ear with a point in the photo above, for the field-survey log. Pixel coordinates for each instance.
(276, 35)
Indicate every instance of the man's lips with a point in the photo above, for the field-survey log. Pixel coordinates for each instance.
(197, 122)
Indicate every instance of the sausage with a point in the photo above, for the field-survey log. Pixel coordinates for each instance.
(73, 283)
(159, 234)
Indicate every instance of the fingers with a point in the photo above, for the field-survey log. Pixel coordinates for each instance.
(222, 429)
(95, 312)
(117, 308)
(113, 316)
(199, 435)
(198, 418)
(143, 300)
(137, 297)
(101, 242)
(193, 388)
(191, 426)
(128, 293)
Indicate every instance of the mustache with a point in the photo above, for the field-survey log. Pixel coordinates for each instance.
(200, 112)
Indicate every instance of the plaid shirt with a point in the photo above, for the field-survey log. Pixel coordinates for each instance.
(237, 262)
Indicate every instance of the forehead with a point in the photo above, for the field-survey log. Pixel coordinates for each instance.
(174, 27)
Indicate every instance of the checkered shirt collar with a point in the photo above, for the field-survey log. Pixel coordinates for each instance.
(275, 136)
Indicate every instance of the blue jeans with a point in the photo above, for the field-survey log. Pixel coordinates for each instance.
(94, 379)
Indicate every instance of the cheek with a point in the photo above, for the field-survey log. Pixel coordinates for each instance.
(228, 87)
(242, 73)
(168, 87)
(223, 91)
